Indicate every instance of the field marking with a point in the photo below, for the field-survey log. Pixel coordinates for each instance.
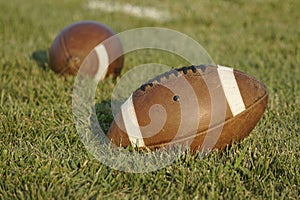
(131, 123)
(137, 11)
(231, 90)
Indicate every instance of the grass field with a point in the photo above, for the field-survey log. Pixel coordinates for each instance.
(41, 156)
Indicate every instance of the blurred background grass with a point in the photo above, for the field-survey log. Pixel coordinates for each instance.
(42, 156)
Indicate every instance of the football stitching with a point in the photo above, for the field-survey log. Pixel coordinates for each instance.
(70, 64)
(151, 84)
(62, 41)
(173, 72)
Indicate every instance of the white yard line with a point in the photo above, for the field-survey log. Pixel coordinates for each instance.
(137, 11)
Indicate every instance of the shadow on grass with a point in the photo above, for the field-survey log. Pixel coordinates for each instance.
(104, 114)
(41, 58)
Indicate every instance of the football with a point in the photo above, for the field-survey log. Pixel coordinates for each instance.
(202, 107)
(76, 41)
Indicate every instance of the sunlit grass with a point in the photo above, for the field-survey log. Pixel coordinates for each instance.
(42, 156)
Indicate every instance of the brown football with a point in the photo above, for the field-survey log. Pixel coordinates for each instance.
(203, 107)
(75, 42)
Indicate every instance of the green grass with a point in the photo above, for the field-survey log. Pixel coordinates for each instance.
(42, 157)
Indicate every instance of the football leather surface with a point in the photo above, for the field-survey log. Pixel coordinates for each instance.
(203, 107)
(76, 41)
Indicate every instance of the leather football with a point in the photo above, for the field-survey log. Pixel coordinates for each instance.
(202, 107)
(76, 41)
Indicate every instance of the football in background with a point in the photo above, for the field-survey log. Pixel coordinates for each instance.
(76, 41)
(202, 107)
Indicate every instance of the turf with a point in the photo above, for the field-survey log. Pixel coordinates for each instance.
(42, 156)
